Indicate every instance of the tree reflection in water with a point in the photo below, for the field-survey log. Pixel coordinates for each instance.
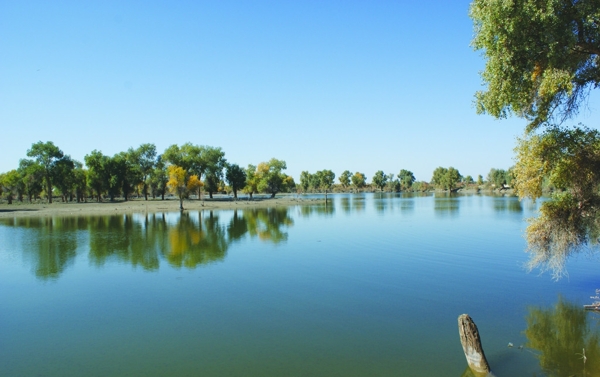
(190, 240)
(196, 242)
(54, 245)
(559, 335)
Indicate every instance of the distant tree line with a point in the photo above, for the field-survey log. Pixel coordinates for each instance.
(181, 170)
(192, 170)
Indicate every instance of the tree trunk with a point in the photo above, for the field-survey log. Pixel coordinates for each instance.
(181, 203)
(273, 195)
(210, 194)
(235, 194)
(471, 343)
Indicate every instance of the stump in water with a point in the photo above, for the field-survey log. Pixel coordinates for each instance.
(471, 343)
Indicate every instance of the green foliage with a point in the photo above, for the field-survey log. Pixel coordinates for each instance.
(46, 154)
(32, 175)
(541, 56)
(305, 181)
(159, 178)
(271, 178)
(345, 178)
(199, 160)
(325, 178)
(446, 179)
(500, 178)
(11, 183)
(236, 178)
(407, 178)
(479, 180)
(252, 180)
(144, 158)
(359, 180)
(379, 179)
(63, 176)
(420, 186)
(568, 159)
(98, 172)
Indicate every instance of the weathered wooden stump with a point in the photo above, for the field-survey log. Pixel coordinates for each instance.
(471, 344)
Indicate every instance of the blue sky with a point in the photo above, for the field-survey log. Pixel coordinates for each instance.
(356, 85)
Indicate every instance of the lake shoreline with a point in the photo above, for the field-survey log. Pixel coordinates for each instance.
(58, 208)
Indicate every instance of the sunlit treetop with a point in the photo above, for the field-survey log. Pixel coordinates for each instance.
(542, 57)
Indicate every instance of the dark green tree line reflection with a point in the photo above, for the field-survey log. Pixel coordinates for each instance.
(191, 240)
(558, 335)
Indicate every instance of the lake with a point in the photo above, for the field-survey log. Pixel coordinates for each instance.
(368, 285)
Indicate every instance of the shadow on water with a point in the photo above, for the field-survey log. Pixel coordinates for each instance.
(190, 240)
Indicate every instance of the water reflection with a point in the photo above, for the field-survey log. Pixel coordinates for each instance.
(325, 209)
(446, 204)
(358, 203)
(345, 204)
(560, 334)
(507, 204)
(196, 241)
(187, 240)
(54, 245)
(125, 239)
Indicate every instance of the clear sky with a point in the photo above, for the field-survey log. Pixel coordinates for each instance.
(356, 85)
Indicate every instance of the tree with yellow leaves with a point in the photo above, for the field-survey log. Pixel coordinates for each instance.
(181, 183)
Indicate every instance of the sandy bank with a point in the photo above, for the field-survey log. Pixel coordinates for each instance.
(140, 206)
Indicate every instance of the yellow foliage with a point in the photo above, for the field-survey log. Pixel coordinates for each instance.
(194, 183)
(529, 168)
(176, 179)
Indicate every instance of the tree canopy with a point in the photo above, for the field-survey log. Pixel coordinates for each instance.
(541, 56)
(542, 60)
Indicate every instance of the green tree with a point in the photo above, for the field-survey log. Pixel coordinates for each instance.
(359, 180)
(407, 178)
(345, 178)
(326, 179)
(98, 172)
(479, 180)
(144, 157)
(236, 178)
(64, 177)
(271, 176)
(252, 180)
(541, 63)
(159, 179)
(541, 56)
(305, 181)
(32, 175)
(446, 179)
(570, 161)
(80, 181)
(213, 163)
(379, 179)
(468, 180)
(188, 157)
(46, 154)
(11, 183)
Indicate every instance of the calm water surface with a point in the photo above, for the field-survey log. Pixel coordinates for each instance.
(370, 285)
